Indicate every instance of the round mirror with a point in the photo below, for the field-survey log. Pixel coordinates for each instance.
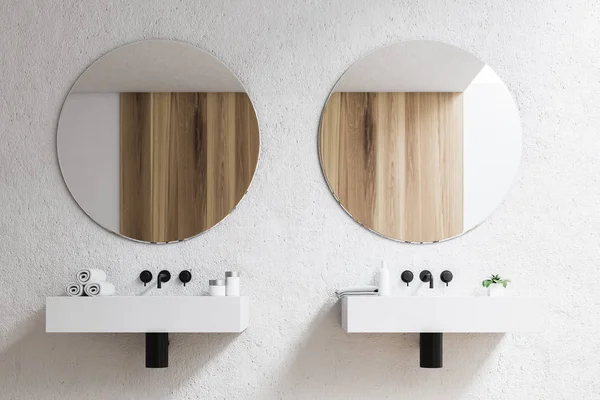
(158, 141)
(420, 141)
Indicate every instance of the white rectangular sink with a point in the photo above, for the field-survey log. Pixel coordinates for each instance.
(147, 314)
(441, 314)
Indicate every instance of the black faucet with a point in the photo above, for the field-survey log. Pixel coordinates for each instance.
(163, 276)
(145, 276)
(185, 276)
(426, 276)
(407, 277)
(446, 277)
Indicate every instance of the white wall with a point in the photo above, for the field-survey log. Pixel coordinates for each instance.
(290, 239)
(88, 148)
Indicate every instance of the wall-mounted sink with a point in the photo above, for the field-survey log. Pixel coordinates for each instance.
(441, 314)
(193, 314)
(154, 315)
(432, 316)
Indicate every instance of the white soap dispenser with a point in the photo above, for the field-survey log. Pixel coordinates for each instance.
(384, 280)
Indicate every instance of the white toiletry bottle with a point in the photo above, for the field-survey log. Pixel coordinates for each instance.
(216, 287)
(384, 280)
(232, 279)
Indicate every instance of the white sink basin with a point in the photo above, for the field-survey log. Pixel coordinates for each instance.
(441, 314)
(147, 314)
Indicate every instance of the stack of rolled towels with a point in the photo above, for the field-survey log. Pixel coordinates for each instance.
(90, 282)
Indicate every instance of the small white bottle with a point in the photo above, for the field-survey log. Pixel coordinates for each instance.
(216, 287)
(384, 280)
(232, 279)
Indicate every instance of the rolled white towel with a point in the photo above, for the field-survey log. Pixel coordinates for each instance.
(74, 289)
(99, 289)
(90, 275)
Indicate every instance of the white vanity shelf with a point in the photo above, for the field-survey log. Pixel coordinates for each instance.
(378, 314)
(172, 314)
(156, 316)
(433, 316)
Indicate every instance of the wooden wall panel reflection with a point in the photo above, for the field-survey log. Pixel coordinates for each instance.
(186, 161)
(395, 161)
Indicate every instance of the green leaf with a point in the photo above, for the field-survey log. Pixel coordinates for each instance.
(486, 283)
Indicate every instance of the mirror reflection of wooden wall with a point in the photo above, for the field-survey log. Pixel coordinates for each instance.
(395, 161)
(187, 159)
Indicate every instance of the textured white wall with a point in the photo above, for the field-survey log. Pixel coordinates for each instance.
(290, 239)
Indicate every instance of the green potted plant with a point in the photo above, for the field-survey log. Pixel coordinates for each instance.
(495, 285)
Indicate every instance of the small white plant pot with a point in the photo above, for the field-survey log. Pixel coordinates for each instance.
(496, 290)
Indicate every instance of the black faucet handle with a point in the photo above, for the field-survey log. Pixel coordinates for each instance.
(407, 277)
(185, 276)
(446, 277)
(426, 276)
(145, 276)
